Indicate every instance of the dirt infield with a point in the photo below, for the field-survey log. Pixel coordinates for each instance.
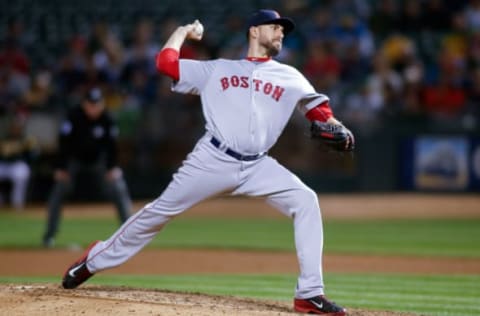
(171, 262)
(50, 299)
(94, 300)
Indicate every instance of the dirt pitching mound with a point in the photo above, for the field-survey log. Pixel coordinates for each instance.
(49, 299)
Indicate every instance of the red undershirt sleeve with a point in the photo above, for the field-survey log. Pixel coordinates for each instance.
(167, 62)
(321, 112)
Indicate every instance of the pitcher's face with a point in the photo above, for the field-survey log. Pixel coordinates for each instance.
(270, 37)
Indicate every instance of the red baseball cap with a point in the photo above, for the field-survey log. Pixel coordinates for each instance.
(265, 16)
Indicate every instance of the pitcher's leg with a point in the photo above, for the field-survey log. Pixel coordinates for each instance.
(303, 206)
(194, 182)
(291, 196)
(128, 240)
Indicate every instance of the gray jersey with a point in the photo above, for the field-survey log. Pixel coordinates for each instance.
(247, 104)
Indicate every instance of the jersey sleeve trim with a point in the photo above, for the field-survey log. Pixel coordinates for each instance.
(316, 100)
(321, 112)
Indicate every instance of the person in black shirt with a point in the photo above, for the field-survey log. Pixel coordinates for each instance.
(87, 144)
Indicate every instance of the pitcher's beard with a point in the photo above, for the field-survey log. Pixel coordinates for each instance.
(273, 51)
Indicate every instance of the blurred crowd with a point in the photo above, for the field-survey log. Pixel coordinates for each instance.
(377, 60)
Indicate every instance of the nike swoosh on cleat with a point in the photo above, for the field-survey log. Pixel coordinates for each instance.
(319, 306)
(72, 271)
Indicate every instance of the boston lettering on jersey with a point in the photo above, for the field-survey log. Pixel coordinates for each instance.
(243, 82)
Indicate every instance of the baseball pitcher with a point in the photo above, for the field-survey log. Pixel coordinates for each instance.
(246, 104)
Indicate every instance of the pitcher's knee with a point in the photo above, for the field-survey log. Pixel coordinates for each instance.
(308, 198)
(304, 201)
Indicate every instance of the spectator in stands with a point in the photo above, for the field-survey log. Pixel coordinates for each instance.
(472, 15)
(73, 68)
(143, 48)
(355, 67)
(411, 105)
(410, 102)
(15, 66)
(12, 54)
(384, 19)
(140, 71)
(446, 96)
(99, 32)
(109, 60)
(13, 58)
(87, 144)
(362, 107)
(384, 83)
(16, 152)
(40, 95)
(322, 67)
(398, 51)
(320, 26)
(350, 30)
(455, 40)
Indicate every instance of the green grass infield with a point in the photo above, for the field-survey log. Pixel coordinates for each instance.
(419, 237)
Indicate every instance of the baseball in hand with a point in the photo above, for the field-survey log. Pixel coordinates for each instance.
(198, 28)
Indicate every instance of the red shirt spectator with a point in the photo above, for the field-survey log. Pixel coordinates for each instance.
(320, 62)
(12, 57)
(444, 98)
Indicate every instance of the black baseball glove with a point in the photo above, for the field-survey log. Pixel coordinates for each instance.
(332, 136)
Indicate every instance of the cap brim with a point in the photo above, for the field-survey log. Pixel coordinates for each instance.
(93, 100)
(287, 24)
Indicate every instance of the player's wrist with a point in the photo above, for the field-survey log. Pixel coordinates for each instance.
(334, 121)
(183, 30)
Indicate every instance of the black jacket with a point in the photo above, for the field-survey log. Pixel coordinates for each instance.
(86, 140)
